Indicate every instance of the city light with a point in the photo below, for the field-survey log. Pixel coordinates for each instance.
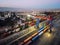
(28, 15)
(30, 22)
(48, 35)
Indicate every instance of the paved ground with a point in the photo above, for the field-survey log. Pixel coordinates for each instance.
(28, 35)
(19, 35)
(50, 38)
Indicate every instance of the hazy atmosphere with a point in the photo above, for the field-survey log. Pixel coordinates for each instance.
(29, 22)
(37, 4)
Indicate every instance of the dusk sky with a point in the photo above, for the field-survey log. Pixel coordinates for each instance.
(37, 4)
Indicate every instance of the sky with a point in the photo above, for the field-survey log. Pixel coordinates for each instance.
(34, 4)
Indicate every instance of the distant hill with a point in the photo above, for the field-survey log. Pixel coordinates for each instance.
(22, 9)
(8, 9)
(12, 9)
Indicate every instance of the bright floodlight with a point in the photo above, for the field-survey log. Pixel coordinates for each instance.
(48, 35)
(29, 15)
